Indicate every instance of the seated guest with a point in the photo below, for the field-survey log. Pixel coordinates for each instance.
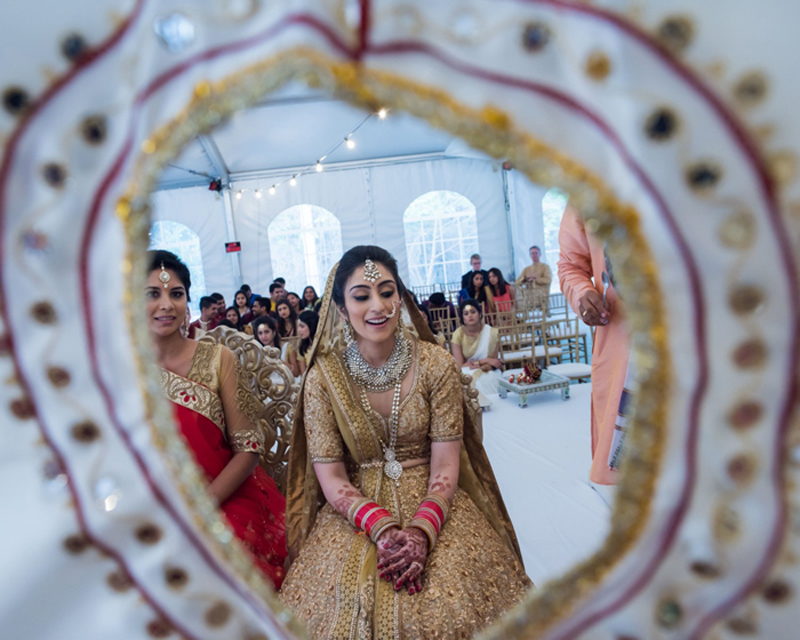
(475, 346)
(475, 261)
(287, 319)
(276, 294)
(442, 313)
(311, 299)
(226, 323)
(242, 302)
(217, 417)
(502, 292)
(260, 307)
(245, 288)
(232, 316)
(219, 300)
(536, 278)
(265, 329)
(295, 301)
(207, 320)
(479, 290)
(306, 330)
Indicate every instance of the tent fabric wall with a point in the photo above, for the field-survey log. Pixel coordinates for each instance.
(525, 218)
(368, 202)
(203, 211)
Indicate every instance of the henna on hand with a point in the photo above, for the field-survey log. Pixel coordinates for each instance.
(439, 484)
(409, 559)
(349, 494)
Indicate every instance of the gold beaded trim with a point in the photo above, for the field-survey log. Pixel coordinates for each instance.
(491, 131)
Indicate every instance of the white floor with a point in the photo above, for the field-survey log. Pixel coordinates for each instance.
(541, 456)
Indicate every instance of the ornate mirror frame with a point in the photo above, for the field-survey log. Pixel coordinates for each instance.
(661, 167)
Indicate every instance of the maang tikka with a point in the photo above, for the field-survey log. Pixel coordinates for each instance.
(164, 276)
(371, 273)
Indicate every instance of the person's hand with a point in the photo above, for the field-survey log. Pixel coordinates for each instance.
(408, 561)
(388, 544)
(472, 364)
(486, 368)
(592, 309)
(531, 278)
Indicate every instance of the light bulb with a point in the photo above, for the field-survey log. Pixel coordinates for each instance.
(382, 113)
(351, 144)
(319, 167)
(272, 190)
(238, 195)
(258, 193)
(293, 181)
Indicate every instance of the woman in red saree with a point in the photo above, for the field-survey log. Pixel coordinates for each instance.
(217, 417)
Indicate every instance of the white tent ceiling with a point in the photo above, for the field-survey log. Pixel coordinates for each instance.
(292, 130)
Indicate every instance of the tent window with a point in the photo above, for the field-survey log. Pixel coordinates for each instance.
(553, 204)
(305, 241)
(441, 234)
(184, 243)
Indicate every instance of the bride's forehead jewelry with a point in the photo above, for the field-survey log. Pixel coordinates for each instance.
(371, 273)
(164, 276)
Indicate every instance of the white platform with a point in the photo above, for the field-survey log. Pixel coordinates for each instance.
(541, 456)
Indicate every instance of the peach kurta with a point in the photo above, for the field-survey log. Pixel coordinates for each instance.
(581, 259)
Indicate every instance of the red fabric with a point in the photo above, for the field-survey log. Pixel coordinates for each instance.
(503, 303)
(255, 510)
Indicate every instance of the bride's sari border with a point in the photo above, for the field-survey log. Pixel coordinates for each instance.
(204, 406)
(491, 131)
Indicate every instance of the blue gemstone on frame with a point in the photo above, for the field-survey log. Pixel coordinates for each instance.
(175, 31)
(535, 36)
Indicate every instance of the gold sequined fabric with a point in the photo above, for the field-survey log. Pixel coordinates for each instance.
(248, 440)
(471, 577)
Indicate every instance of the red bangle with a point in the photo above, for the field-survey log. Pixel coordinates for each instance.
(370, 517)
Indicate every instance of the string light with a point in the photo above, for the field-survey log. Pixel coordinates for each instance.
(351, 144)
(239, 195)
(319, 167)
(272, 190)
(293, 181)
(258, 193)
(382, 113)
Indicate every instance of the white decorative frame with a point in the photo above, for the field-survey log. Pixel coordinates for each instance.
(701, 542)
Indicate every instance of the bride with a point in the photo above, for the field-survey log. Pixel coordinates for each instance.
(394, 519)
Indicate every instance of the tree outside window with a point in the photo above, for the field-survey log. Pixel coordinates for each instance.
(553, 204)
(441, 234)
(305, 242)
(184, 243)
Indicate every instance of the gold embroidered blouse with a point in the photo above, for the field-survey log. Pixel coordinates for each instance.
(215, 387)
(431, 412)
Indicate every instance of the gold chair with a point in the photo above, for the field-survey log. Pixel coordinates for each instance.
(275, 390)
(570, 366)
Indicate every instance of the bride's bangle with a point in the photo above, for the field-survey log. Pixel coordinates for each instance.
(371, 518)
(430, 517)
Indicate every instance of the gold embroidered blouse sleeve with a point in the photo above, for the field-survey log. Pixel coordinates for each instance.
(447, 417)
(325, 443)
(240, 406)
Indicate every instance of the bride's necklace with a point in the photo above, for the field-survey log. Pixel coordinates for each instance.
(384, 377)
(391, 468)
(377, 380)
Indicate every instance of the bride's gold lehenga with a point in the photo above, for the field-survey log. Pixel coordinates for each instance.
(474, 572)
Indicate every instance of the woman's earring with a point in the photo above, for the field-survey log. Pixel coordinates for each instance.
(398, 330)
(348, 332)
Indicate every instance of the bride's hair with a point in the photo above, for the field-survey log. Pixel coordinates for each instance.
(356, 257)
(170, 261)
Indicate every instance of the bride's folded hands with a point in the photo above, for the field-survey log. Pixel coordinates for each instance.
(406, 558)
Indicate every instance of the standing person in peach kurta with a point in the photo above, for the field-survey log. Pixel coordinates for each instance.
(581, 259)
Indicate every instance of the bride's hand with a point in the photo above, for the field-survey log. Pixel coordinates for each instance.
(408, 561)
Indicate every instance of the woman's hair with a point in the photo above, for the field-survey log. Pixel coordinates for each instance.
(272, 324)
(226, 323)
(469, 302)
(502, 285)
(170, 261)
(311, 320)
(292, 319)
(238, 315)
(477, 294)
(316, 297)
(355, 258)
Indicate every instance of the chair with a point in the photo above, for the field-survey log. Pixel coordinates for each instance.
(273, 384)
(516, 343)
(574, 369)
(558, 305)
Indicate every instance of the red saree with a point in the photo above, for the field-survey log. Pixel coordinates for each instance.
(255, 510)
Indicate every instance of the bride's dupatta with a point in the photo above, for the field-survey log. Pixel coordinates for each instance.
(304, 496)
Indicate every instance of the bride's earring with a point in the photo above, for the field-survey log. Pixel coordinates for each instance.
(349, 338)
(398, 330)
